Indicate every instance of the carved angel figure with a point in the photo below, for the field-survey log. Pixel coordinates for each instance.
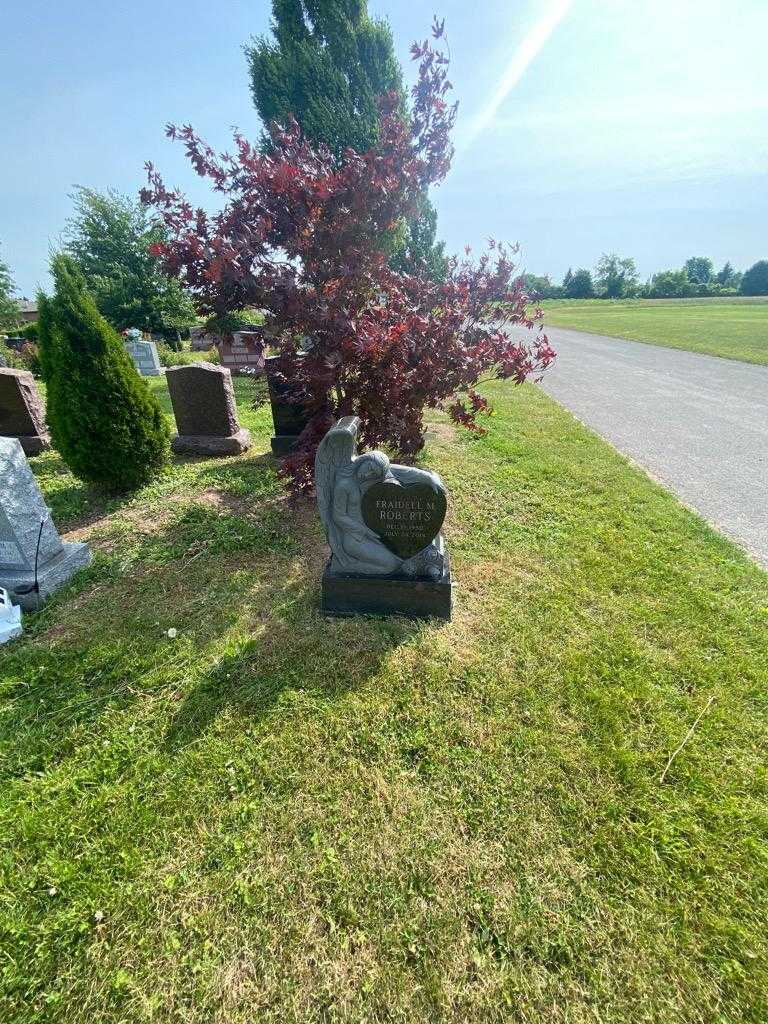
(341, 480)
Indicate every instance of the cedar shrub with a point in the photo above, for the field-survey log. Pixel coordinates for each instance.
(104, 421)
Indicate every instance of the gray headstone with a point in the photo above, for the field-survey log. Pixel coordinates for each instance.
(22, 513)
(383, 525)
(22, 414)
(203, 401)
(144, 356)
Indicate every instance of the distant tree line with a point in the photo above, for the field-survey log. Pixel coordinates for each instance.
(616, 277)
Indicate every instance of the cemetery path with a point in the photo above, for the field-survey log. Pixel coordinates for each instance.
(697, 423)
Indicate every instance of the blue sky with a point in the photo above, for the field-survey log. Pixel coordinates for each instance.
(636, 126)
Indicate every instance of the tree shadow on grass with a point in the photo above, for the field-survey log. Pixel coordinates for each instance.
(294, 649)
(243, 583)
(74, 504)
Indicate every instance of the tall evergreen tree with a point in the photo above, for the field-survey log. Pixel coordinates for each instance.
(325, 64)
(727, 277)
(755, 280)
(105, 422)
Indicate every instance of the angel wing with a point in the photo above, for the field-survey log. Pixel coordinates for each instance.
(337, 449)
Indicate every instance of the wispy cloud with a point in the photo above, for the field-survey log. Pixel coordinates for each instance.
(523, 57)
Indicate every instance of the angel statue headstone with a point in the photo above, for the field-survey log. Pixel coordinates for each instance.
(383, 525)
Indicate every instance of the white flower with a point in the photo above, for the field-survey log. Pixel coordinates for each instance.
(172, 633)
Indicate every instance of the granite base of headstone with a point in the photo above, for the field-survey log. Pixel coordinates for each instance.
(289, 417)
(383, 523)
(144, 356)
(34, 562)
(22, 414)
(203, 401)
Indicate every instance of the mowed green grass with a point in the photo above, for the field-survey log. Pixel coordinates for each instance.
(276, 817)
(736, 329)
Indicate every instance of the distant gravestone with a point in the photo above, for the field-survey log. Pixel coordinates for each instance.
(203, 400)
(244, 352)
(28, 536)
(201, 341)
(22, 414)
(144, 356)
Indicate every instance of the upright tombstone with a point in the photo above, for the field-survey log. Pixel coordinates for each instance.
(383, 524)
(144, 356)
(243, 352)
(22, 414)
(289, 417)
(203, 400)
(33, 560)
(201, 341)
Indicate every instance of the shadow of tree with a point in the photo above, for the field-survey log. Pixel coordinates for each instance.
(74, 504)
(307, 653)
(238, 580)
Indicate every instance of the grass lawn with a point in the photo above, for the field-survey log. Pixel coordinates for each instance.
(735, 329)
(278, 818)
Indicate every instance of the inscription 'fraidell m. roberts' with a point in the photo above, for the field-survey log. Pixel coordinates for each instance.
(383, 524)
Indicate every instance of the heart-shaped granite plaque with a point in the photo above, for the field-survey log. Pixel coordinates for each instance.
(406, 517)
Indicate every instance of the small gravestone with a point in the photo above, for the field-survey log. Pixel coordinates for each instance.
(243, 352)
(22, 414)
(201, 341)
(288, 416)
(144, 355)
(383, 523)
(203, 400)
(33, 560)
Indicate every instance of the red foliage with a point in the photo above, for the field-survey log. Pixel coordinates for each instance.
(302, 237)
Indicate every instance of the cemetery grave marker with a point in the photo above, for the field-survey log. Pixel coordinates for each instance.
(244, 352)
(33, 560)
(22, 414)
(203, 401)
(383, 523)
(144, 356)
(289, 418)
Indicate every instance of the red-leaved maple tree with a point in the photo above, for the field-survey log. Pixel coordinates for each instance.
(303, 236)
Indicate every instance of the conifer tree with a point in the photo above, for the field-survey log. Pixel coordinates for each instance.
(326, 65)
(104, 421)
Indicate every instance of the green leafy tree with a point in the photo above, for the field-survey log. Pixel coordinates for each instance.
(109, 238)
(700, 269)
(10, 315)
(541, 286)
(616, 276)
(105, 422)
(671, 284)
(755, 280)
(326, 64)
(419, 246)
(727, 277)
(579, 286)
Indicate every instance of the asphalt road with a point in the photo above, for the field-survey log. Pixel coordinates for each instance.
(696, 423)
